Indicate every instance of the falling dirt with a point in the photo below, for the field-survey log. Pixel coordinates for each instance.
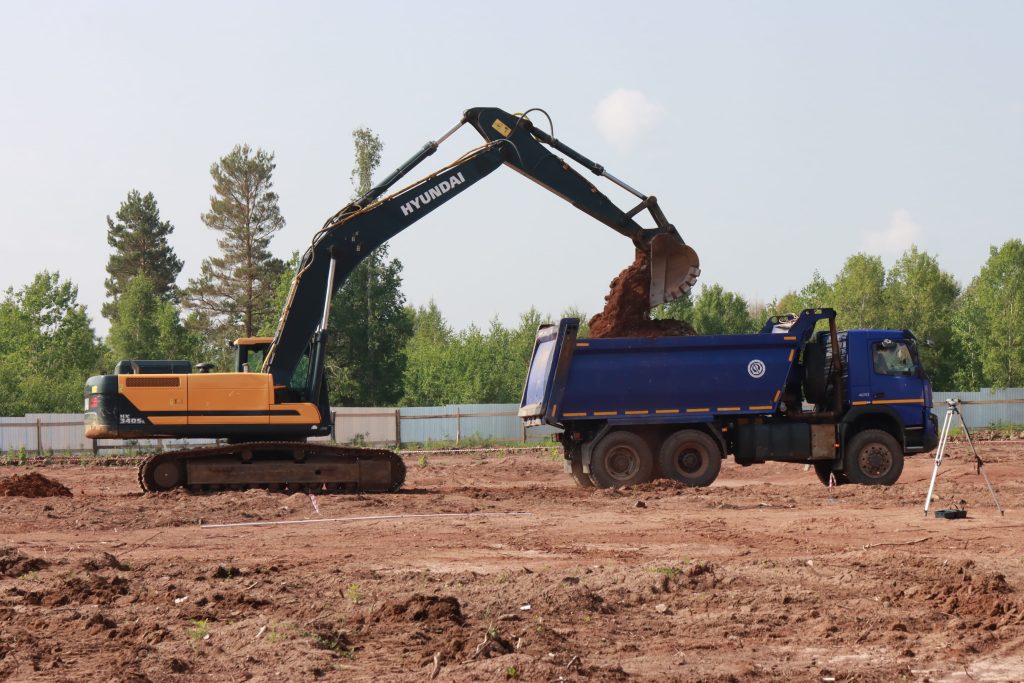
(627, 308)
(32, 485)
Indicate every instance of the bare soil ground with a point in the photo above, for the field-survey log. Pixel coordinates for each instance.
(762, 576)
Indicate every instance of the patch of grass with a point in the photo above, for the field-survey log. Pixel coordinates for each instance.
(336, 644)
(511, 672)
(278, 632)
(422, 462)
(199, 630)
(353, 593)
(669, 571)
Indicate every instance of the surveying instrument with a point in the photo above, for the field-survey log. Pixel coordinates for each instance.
(954, 409)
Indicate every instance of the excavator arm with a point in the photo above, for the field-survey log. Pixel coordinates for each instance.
(356, 230)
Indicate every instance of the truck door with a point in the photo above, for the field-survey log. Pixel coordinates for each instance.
(896, 380)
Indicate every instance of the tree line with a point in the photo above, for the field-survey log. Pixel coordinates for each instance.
(384, 352)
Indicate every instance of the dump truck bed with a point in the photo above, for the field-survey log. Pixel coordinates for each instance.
(665, 379)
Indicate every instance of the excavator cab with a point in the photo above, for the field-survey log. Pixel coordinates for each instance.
(250, 352)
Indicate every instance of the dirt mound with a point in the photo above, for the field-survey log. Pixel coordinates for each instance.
(102, 561)
(627, 309)
(14, 564)
(983, 599)
(92, 588)
(32, 485)
(426, 608)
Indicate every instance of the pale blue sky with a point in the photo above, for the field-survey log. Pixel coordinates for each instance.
(779, 137)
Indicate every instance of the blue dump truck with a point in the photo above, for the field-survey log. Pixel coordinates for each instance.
(851, 404)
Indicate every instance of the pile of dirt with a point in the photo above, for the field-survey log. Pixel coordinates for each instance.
(627, 308)
(425, 608)
(14, 563)
(33, 485)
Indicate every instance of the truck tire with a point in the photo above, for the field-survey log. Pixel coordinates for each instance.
(690, 457)
(873, 457)
(621, 458)
(824, 468)
(575, 457)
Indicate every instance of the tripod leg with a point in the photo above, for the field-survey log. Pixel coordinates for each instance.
(943, 439)
(980, 465)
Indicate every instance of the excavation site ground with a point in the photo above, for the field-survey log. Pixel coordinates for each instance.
(765, 575)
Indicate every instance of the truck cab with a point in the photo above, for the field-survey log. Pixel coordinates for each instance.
(887, 385)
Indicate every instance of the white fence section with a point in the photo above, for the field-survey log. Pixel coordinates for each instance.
(62, 433)
(988, 414)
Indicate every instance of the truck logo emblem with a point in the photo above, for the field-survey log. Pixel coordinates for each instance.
(755, 368)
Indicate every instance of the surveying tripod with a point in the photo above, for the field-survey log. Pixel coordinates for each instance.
(954, 409)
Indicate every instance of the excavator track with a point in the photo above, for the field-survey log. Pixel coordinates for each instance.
(274, 465)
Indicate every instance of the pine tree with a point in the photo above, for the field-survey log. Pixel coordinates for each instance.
(370, 325)
(234, 293)
(139, 240)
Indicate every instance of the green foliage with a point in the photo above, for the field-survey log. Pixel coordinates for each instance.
(668, 571)
(369, 323)
(234, 293)
(677, 309)
(472, 366)
(199, 630)
(139, 241)
(146, 326)
(368, 147)
(370, 327)
(353, 593)
(921, 297)
(815, 294)
(997, 315)
(581, 315)
(281, 290)
(967, 325)
(47, 348)
(858, 293)
(717, 311)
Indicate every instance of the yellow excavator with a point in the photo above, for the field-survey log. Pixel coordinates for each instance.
(264, 412)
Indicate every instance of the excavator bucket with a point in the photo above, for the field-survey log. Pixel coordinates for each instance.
(674, 268)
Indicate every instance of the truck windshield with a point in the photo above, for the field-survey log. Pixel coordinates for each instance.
(893, 358)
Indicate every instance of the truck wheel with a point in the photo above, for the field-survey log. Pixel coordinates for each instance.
(823, 469)
(581, 478)
(575, 458)
(621, 458)
(690, 457)
(873, 457)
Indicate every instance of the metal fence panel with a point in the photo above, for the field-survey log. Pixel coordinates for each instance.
(985, 415)
(370, 425)
(457, 422)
